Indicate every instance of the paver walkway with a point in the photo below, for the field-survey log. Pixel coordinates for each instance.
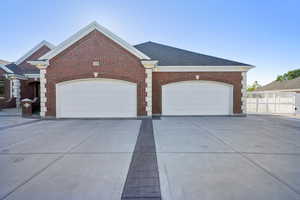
(143, 178)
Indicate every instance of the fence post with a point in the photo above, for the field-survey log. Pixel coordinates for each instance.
(256, 103)
(267, 102)
(275, 103)
(295, 108)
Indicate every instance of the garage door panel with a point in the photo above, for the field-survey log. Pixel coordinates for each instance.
(96, 98)
(197, 98)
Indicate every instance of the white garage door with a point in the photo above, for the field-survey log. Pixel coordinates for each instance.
(197, 98)
(96, 98)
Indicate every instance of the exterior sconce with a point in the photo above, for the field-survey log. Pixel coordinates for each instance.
(197, 77)
(96, 74)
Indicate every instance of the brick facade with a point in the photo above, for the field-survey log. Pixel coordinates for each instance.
(36, 55)
(6, 102)
(76, 63)
(162, 78)
(27, 86)
(28, 89)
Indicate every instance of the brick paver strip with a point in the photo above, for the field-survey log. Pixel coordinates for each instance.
(142, 180)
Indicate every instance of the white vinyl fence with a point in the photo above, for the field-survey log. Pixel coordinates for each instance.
(273, 102)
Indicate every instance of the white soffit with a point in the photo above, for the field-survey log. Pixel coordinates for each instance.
(86, 30)
(34, 49)
(32, 75)
(203, 68)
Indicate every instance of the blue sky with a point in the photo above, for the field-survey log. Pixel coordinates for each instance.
(261, 33)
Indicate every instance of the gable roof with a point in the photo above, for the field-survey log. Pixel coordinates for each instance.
(14, 69)
(172, 56)
(86, 30)
(4, 68)
(33, 50)
(281, 85)
(18, 68)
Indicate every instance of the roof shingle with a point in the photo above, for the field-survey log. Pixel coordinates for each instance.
(171, 56)
(281, 85)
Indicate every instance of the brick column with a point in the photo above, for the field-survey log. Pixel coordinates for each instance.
(149, 91)
(149, 66)
(43, 91)
(244, 92)
(16, 91)
(42, 65)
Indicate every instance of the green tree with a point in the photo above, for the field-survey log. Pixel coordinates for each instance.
(289, 75)
(254, 86)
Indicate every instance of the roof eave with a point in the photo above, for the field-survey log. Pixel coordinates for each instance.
(33, 50)
(6, 69)
(203, 68)
(86, 30)
(16, 76)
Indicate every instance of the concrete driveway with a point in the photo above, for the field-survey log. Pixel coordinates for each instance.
(68, 159)
(228, 158)
(257, 157)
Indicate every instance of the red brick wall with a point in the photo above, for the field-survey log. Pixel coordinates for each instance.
(76, 63)
(37, 54)
(161, 78)
(27, 89)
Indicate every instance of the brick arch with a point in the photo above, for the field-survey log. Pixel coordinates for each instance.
(100, 75)
(182, 79)
(163, 78)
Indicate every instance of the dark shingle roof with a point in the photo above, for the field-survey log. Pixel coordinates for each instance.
(281, 85)
(171, 56)
(15, 68)
(20, 70)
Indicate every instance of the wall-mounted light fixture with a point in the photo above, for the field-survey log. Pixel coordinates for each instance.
(96, 74)
(197, 77)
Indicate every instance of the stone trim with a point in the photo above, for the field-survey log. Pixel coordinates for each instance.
(43, 92)
(148, 97)
(16, 91)
(244, 92)
(149, 66)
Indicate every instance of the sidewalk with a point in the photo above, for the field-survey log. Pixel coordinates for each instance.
(10, 112)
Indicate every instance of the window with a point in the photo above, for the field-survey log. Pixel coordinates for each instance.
(2, 88)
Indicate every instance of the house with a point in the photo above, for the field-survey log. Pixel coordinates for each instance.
(282, 86)
(3, 62)
(95, 73)
(277, 97)
(20, 79)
